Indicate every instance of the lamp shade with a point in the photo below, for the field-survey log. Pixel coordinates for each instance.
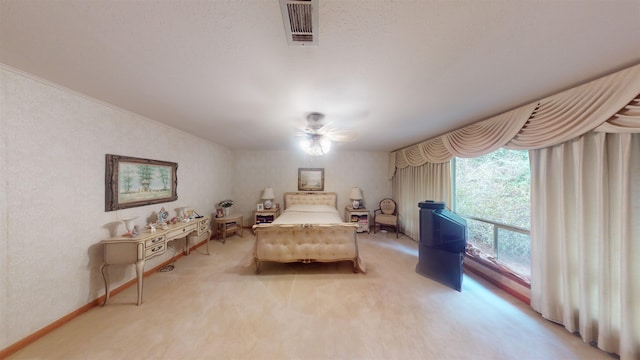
(268, 194)
(355, 194)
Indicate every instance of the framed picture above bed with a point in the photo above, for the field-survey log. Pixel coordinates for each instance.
(310, 179)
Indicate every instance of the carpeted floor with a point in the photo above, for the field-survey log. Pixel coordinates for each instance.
(215, 307)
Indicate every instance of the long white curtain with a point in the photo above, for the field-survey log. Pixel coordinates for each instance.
(426, 182)
(586, 222)
(584, 215)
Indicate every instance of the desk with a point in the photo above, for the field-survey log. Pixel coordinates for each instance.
(136, 250)
(228, 224)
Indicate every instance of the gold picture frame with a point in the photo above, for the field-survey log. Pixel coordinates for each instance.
(310, 179)
(131, 182)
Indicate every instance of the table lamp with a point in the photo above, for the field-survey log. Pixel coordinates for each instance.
(267, 197)
(355, 195)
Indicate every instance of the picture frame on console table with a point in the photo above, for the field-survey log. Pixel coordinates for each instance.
(132, 182)
(310, 179)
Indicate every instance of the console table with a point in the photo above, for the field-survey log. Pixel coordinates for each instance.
(136, 250)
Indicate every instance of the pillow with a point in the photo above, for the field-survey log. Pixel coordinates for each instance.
(311, 208)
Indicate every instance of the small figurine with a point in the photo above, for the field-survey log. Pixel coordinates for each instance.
(152, 227)
(163, 215)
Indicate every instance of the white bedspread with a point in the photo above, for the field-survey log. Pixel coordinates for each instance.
(309, 214)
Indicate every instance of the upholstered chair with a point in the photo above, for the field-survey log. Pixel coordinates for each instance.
(386, 215)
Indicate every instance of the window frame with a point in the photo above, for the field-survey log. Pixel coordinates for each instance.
(521, 278)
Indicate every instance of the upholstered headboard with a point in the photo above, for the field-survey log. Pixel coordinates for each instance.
(311, 198)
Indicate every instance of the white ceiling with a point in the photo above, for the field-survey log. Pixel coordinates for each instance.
(397, 72)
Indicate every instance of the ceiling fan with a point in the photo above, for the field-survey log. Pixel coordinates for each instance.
(318, 135)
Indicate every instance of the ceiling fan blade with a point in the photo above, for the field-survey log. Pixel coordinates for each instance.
(342, 135)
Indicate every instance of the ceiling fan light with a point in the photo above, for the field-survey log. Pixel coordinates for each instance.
(316, 145)
(325, 144)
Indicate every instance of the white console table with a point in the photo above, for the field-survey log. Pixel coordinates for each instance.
(136, 250)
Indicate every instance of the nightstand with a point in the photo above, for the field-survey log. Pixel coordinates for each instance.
(228, 225)
(359, 216)
(266, 216)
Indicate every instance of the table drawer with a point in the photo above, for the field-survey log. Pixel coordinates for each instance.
(155, 250)
(204, 227)
(154, 241)
(178, 233)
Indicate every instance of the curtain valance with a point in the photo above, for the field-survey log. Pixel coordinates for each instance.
(604, 105)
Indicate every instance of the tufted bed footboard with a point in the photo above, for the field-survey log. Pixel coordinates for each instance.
(306, 243)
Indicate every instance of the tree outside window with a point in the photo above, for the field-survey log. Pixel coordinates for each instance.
(495, 189)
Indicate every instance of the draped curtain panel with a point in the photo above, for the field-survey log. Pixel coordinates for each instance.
(606, 105)
(426, 182)
(585, 203)
(595, 121)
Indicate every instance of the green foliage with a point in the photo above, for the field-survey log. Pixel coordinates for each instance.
(496, 187)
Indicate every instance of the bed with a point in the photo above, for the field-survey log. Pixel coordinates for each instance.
(309, 230)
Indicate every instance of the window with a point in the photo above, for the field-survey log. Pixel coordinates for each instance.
(493, 193)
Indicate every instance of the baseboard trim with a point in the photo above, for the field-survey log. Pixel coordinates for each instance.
(493, 281)
(17, 346)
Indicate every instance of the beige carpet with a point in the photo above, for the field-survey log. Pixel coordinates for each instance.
(214, 307)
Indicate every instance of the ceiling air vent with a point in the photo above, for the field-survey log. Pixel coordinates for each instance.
(300, 19)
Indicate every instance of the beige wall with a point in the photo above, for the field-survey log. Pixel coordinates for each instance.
(52, 166)
(52, 157)
(255, 170)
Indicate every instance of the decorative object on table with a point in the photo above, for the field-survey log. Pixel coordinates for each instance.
(310, 179)
(163, 216)
(267, 198)
(152, 228)
(219, 212)
(131, 182)
(226, 206)
(260, 207)
(182, 212)
(356, 196)
(136, 231)
(174, 220)
(128, 223)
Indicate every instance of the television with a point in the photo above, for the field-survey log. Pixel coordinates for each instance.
(441, 228)
(443, 240)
